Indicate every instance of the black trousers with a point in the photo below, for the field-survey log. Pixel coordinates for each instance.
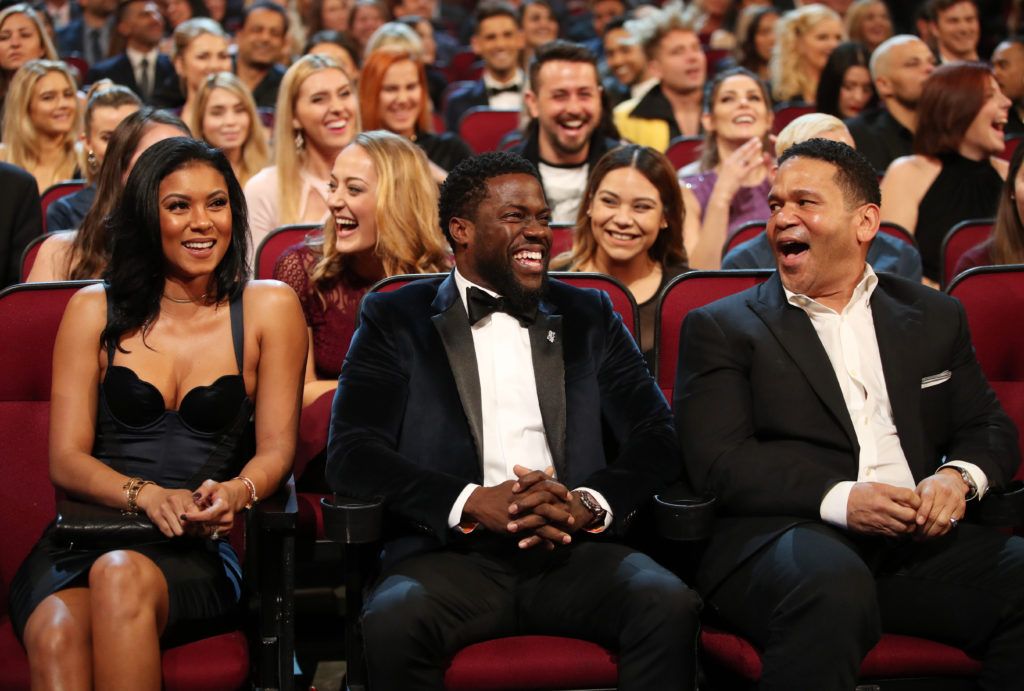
(818, 599)
(430, 606)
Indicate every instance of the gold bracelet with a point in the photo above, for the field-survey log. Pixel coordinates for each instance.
(131, 494)
(251, 487)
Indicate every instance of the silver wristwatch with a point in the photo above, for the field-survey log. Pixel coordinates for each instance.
(972, 491)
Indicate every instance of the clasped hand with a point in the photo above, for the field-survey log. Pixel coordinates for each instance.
(535, 505)
(924, 512)
(207, 512)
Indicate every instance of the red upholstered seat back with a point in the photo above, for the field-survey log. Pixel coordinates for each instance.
(561, 239)
(30, 315)
(55, 192)
(684, 150)
(897, 231)
(747, 231)
(274, 245)
(993, 297)
(482, 128)
(685, 293)
(960, 238)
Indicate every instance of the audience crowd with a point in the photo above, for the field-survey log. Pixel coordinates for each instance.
(655, 131)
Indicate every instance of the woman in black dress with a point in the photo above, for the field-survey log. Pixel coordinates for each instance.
(154, 401)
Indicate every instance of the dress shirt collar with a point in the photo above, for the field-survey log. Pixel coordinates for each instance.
(517, 81)
(861, 295)
(135, 57)
(462, 284)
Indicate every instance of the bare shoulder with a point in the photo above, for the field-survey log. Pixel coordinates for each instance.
(1002, 167)
(53, 255)
(270, 300)
(87, 308)
(912, 165)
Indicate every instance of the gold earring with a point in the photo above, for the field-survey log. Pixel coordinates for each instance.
(92, 161)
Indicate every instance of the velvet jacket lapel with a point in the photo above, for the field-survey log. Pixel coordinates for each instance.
(452, 324)
(795, 333)
(549, 374)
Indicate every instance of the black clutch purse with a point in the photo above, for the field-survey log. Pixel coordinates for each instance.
(81, 525)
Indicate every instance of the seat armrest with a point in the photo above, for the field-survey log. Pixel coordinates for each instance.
(351, 521)
(1001, 507)
(270, 587)
(682, 517)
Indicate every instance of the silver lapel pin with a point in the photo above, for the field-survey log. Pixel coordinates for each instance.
(551, 336)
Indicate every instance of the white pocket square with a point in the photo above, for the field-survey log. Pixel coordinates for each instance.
(936, 379)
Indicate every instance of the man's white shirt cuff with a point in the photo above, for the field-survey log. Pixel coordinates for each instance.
(599, 498)
(455, 515)
(833, 506)
(976, 473)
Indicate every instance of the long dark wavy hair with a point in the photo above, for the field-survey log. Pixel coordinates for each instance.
(90, 251)
(137, 269)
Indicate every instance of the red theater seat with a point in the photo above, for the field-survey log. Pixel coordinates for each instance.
(483, 128)
(684, 150)
(960, 238)
(55, 192)
(747, 231)
(276, 242)
(31, 314)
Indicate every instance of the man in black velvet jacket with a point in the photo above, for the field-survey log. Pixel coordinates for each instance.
(471, 405)
(842, 421)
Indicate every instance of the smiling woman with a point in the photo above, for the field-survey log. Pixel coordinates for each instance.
(383, 222)
(22, 38)
(41, 122)
(317, 116)
(225, 117)
(161, 432)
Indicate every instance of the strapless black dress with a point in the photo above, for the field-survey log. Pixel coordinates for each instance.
(210, 436)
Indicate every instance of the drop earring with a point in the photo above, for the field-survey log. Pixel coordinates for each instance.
(92, 161)
(300, 141)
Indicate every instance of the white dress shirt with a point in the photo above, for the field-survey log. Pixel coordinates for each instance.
(513, 429)
(135, 58)
(509, 100)
(851, 344)
(563, 187)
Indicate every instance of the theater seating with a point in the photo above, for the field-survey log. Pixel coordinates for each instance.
(897, 231)
(684, 150)
(28, 256)
(276, 242)
(55, 192)
(747, 231)
(732, 662)
(482, 128)
(960, 238)
(262, 656)
(787, 112)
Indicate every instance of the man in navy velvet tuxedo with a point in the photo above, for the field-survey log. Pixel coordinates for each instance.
(474, 405)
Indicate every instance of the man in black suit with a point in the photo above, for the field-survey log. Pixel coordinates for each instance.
(20, 219)
(843, 422)
(89, 35)
(470, 405)
(499, 42)
(141, 67)
(261, 39)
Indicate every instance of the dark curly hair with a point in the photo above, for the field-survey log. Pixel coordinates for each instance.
(466, 184)
(854, 175)
(136, 272)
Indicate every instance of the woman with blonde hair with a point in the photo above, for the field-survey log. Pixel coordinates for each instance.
(383, 222)
(225, 117)
(806, 37)
(317, 116)
(868, 23)
(22, 38)
(41, 122)
(106, 105)
(200, 49)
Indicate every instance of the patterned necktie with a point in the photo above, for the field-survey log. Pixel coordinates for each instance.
(144, 87)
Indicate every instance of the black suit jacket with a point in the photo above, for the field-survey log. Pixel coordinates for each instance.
(462, 100)
(21, 219)
(118, 69)
(764, 425)
(406, 424)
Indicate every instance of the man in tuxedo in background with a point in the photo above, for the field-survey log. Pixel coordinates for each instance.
(20, 220)
(499, 42)
(141, 67)
(843, 422)
(471, 405)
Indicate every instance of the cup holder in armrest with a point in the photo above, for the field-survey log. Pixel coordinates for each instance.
(1002, 507)
(352, 521)
(684, 518)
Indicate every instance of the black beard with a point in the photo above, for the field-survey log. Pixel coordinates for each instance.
(498, 273)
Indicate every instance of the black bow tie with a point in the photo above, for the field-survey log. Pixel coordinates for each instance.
(495, 90)
(482, 304)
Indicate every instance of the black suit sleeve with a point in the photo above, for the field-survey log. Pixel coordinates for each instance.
(22, 220)
(635, 411)
(715, 408)
(983, 433)
(362, 450)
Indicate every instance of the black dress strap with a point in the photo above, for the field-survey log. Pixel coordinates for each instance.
(238, 329)
(111, 346)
